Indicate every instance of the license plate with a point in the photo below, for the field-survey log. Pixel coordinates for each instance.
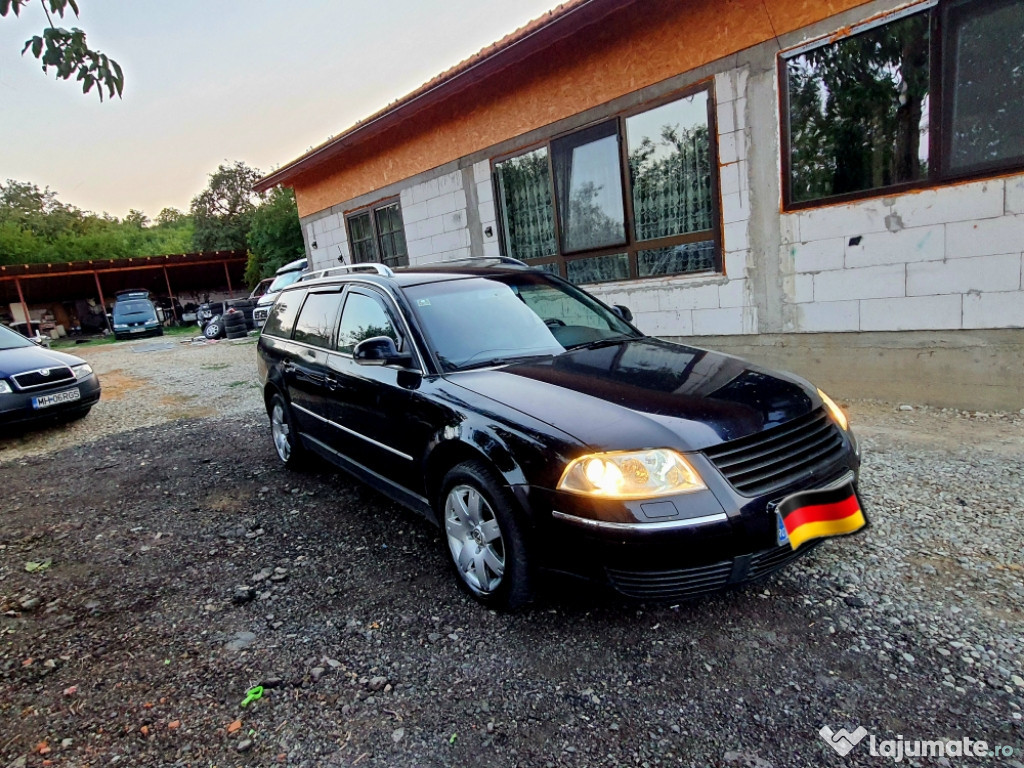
(810, 515)
(45, 401)
(137, 330)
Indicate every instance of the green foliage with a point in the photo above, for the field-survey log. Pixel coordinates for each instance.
(36, 227)
(222, 212)
(66, 51)
(275, 237)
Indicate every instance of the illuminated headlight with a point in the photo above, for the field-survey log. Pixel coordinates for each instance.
(837, 413)
(120, 326)
(631, 475)
(5, 388)
(82, 371)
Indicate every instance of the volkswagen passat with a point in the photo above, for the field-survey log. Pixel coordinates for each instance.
(542, 431)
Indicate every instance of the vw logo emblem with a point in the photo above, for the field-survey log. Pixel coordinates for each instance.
(44, 371)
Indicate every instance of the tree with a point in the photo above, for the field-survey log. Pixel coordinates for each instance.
(66, 50)
(223, 211)
(275, 237)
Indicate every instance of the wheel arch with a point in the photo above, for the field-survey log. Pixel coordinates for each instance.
(484, 447)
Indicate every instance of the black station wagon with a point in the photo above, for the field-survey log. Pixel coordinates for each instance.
(542, 431)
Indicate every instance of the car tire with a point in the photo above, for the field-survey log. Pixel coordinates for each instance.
(287, 443)
(233, 320)
(484, 537)
(236, 333)
(213, 329)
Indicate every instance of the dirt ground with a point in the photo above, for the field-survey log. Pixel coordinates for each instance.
(151, 576)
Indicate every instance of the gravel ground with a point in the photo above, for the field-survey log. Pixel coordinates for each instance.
(156, 562)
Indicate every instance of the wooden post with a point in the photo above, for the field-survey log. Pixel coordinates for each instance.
(228, 276)
(103, 301)
(170, 295)
(24, 306)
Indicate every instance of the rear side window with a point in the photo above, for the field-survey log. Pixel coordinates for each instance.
(317, 319)
(363, 318)
(282, 314)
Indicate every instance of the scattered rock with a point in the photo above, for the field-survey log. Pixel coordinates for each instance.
(242, 641)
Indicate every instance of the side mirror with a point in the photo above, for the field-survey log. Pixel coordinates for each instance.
(379, 350)
(623, 312)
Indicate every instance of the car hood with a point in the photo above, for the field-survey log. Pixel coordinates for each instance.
(33, 358)
(646, 393)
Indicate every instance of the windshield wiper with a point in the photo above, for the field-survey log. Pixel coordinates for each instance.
(496, 361)
(607, 342)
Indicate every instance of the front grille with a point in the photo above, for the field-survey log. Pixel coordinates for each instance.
(779, 456)
(770, 560)
(666, 585)
(44, 378)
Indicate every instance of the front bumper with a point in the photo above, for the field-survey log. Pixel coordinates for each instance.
(16, 407)
(715, 539)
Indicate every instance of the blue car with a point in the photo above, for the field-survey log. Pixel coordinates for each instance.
(135, 315)
(38, 384)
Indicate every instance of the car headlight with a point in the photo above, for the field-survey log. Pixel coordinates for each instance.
(82, 371)
(631, 475)
(837, 413)
(5, 388)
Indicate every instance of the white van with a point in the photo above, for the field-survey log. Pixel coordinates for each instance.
(284, 277)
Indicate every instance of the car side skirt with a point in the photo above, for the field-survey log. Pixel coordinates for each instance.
(403, 496)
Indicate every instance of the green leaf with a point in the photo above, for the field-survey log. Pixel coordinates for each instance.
(37, 46)
(33, 567)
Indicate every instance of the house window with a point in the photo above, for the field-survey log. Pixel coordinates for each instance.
(378, 235)
(927, 95)
(631, 197)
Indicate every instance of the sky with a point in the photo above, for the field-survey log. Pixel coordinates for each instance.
(214, 82)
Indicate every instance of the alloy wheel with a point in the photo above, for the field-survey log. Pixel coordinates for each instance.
(281, 431)
(474, 538)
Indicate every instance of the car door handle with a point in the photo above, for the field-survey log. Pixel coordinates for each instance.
(332, 382)
(287, 366)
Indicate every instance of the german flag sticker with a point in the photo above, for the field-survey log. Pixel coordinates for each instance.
(816, 514)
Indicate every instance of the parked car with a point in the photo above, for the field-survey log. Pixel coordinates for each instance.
(38, 384)
(284, 277)
(540, 429)
(134, 315)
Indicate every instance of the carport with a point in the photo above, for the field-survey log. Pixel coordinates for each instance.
(68, 281)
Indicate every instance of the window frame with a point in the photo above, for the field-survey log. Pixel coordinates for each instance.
(371, 211)
(632, 246)
(940, 74)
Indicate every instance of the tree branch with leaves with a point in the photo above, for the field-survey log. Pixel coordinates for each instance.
(66, 51)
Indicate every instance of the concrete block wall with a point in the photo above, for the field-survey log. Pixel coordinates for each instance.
(436, 221)
(486, 208)
(331, 239)
(950, 258)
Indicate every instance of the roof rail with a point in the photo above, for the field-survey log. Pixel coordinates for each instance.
(470, 259)
(379, 269)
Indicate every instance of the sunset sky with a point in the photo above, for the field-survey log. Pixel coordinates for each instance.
(212, 82)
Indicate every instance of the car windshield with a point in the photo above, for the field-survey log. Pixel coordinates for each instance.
(11, 339)
(283, 281)
(486, 321)
(136, 307)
